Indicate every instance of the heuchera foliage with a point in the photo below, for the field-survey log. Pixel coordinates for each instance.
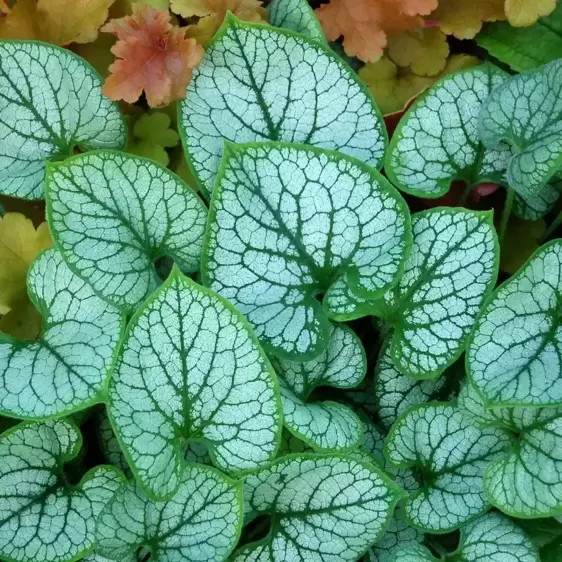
(288, 364)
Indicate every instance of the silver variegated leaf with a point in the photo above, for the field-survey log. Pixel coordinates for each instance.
(326, 425)
(515, 353)
(200, 522)
(287, 221)
(190, 369)
(67, 368)
(527, 480)
(113, 215)
(450, 456)
(43, 516)
(526, 112)
(298, 16)
(300, 92)
(322, 508)
(436, 141)
(50, 102)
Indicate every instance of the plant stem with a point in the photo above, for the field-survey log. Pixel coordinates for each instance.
(553, 226)
(506, 212)
(463, 198)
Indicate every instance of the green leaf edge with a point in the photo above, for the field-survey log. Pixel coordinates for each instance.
(177, 274)
(487, 403)
(231, 20)
(398, 131)
(413, 495)
(231, 149)
(399, 493)
(464, 342)
(95, 73)
(49, 208)
(101, 396)
(64, 459)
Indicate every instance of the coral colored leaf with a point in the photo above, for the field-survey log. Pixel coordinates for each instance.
(464, 19)
(21, 22)
(153, 55)
(213, 12)
(365, 24)
(424, 50)
(522, 13)
(4, 8)
(65, 21)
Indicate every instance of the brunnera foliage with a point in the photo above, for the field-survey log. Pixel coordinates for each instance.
(199, 390)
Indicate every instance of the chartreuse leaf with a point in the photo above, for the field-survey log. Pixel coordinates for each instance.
(296, 15)
(452, 267)
(324, 425)
(436, 141)
(527, 480)
(286, 221)
(396, 392)
(491, 538)
(450, 455)
(50, 102)
(300, 92)
(67, 368)
(190, 368)
(202, 521)
(322, 508)
(526, 112)
(112, 215)
(43, 516)
(514, 354)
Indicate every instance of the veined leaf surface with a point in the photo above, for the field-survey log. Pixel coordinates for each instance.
(322, 508)
(50, 102)
(491, 538)
(68, 367)
(527, 480)
(324, 425)
(296, 15)
(201, 522)
(515, 354)
(451, 455)
(44, 518)
(112, 215)
(452, 267)
(287, 221)
(191, 369)
(437, 141)
(260, 83)
(526, 112)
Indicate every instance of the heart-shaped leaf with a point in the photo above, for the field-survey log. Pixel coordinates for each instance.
(324, 425)
(190, 368)
(68, 367)
(450, 455)
(296, 15)
(515, 354)
(323, 508)
(526, 112)
(43, 517)
(451, 269)
(395, 392)
(436, 141)
(286, 221)
(113, 215)
(300, 92)
(51, 103)
(200, 522)
(527, 480)
(491, 537)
